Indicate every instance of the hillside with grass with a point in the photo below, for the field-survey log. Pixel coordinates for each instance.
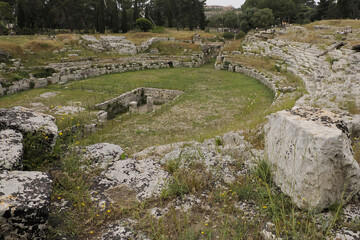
(206, 164)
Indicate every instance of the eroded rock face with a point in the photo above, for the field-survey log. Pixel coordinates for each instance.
(11, 150)
(311, 155)
(146, 176)
(112, 43)
(24, 204)
(27, 121)
(118, 231)
(103, 154)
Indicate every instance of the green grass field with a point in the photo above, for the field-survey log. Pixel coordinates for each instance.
(213, 102)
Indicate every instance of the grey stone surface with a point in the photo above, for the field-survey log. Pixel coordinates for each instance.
(118, 231)
(11, 150)
(24, 204)
(103, 154)
(311, 155)
(27, 121)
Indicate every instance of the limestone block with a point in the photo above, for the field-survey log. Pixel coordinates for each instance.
(11, 150)
(40, 82)
(146, 176)
(311, 155)
(24, 204)
(27, 121)
(133, 107)
(103, 154)
(102, 116)
(149, 104)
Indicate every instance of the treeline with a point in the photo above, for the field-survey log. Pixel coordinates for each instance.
(99, 15)
(264, 13)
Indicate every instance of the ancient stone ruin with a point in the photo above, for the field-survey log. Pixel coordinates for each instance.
(131, 101)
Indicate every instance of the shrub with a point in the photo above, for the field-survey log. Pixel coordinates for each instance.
(25, 31)
(158, 29)
(228, 35)
(144, 24)
(3, 29)
(240, 34)
(43, 72)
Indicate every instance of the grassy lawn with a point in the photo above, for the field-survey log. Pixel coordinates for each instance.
(213, 102)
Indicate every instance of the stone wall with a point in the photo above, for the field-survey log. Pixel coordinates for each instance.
(85, 69)
(121, 103)
(222, 63)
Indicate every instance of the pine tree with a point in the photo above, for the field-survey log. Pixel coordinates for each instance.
(20, 15)
(101, 17)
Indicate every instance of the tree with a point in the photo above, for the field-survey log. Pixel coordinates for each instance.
(20, 15)
(263, 18)
(101, 17)
(144, 24)
(231, 20)
(115, 18)
(125, 5)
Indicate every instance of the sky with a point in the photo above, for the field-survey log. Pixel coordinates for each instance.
(235, 3)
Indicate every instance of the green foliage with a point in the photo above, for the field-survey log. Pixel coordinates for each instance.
(240, 34)
(38, 150)
(218, 141)
(228, 35)
(16, 76)
(3, 29)
(263, 172)
(100, 27)
(158, 29)
(144, 24)
(42, 72)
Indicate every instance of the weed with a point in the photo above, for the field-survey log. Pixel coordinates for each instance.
(218, 141)
(38, 150)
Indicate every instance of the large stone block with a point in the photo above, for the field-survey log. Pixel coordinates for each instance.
(27, 121)
(11, 150)
(311, 155)
(24, 204)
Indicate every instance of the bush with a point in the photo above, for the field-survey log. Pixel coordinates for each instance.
(43, 72)
(228, 35)
(240, 34)
(144, 24)
(3, 29)
(158, 29)
(25, 31)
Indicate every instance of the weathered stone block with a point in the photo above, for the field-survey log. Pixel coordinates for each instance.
(103, 154)
(311, 156)
(24, 204)
(27, 121)
(11, 150)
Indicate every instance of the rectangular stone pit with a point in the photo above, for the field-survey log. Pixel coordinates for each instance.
(141, 96)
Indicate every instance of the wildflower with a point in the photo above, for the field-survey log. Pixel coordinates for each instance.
(108, 211)
(206, 224)
(83, 204)
(91, 232)
(84, 150)
(59, 198)
(52, 106)
(60, 133)
(77, 125)
(97, 215)
(75, 205)
(264, 207)
(46, 137)
(59, 106)
(202, 232)
(77, 142)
